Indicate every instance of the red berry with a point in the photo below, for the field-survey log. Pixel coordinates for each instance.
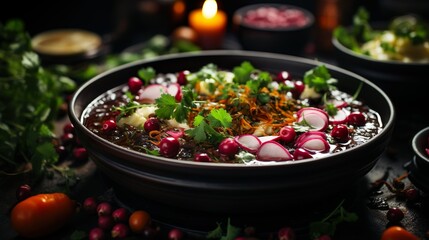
(175, 234)
(89, 205)
(299, 87)
(323, 237)
(104, 209)
(23, 192)
(134, 84)
(80, 153)
(228, 147)
(152, 124)
(202, 157)
(356, 118)
(283, 76)
(286, 233)
(108, 125)
(68, 128)
(96, 234)
(340, 133)
(105, 222)
(394, 214)
(120, 215)
(120, 230)
(412, 194)
(181, 77)
(67, 139)
(169, 147)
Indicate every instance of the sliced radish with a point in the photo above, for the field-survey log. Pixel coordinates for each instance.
(273, 151)
(316, 118)
(314, 144)
(339, 118)
(307, 135)
(268, 138)
(339, 103)
(175, 90)
(176, 133)
(248, 142)
(152, 92)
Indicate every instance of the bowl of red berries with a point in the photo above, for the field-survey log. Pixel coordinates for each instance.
(273, 27)
(419, 165)
(237, 134)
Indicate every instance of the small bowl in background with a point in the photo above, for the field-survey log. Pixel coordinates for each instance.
(419, 166)
(272, 27)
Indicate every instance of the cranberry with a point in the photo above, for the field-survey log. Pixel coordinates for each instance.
(109, 125)
(181, 77)
(96, 234)
(151, 124)
(175, 234)
(169, 147)
(412, 194)
(394, 214)
(323, 237)
(23, 192)
(68, 128)
(80, 153)
(340, 133)
(120, 230)
(283, 76)
(287, 134)
(67, 139)
(356, 118)
(105, 222)
(62, 151)
(104, 209)
(286, 233)
(134, 84)
(299, 87)
(120, 215)
(202, 157)
(300, 154)
(90, 205)
(228, 147)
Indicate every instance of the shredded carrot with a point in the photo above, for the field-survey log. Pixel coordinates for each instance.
(155, 134)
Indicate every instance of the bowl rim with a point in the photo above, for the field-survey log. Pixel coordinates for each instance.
(241, 53)
(239, 13)
(417, 150)
(339, 46)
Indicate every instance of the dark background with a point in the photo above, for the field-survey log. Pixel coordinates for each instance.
(126, 19)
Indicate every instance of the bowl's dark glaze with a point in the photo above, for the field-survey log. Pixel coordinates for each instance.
(291, 40)
(230, 189)
(401, 81)
(419, 166)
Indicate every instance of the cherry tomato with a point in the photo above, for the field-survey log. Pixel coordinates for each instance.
(138, 221)
(397, 233)
(42, 214)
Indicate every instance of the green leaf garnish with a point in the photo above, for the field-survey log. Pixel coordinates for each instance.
(146, 74)
(320, 79)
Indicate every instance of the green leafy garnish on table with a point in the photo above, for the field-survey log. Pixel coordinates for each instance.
(30, 99)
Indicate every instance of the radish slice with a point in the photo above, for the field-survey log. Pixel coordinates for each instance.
(273, 151)
(308, 135)
(176, 133)
(268, 138)
(175, 90)
(339, 118)
(248, 142)
(152, 92)
(314, 144)
(316, 118)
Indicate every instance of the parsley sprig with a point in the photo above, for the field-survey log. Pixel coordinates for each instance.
(169, 108)
(320, 79)
(210, 128)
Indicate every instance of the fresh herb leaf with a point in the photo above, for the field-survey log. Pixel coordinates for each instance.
(328, 225)
(242, 72)
(320, 79)
(126, 110)
(231, 232)
(219, 118)
(205, 127)
(166, 106)
(146, 74)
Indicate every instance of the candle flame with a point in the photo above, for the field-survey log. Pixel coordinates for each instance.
(209, 8)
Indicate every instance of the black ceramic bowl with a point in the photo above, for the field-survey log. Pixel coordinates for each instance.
(290, 39)
(401, 81)
(419, 166)
(201, 190)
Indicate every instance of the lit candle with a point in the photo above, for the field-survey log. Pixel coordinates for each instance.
(210, 24)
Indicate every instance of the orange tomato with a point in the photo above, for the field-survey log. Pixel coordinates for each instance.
(138, 221)
(42, 214)
(397, 233)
